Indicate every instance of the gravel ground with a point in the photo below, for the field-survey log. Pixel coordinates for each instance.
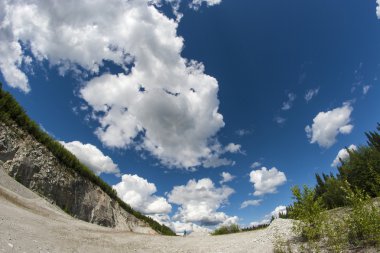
(28, 223)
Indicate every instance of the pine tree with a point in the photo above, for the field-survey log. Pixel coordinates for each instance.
(374, 138)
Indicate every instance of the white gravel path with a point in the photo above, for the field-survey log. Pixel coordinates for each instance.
(29, 223)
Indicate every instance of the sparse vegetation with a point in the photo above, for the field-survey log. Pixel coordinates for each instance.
(357, 225)
(12, 113)
(363, 222)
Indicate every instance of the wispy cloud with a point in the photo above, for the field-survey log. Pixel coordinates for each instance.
(287, 105)
(366, 89)
(279, 120)
(243, 132)
(255, 165)
(247, 203)
(310, 94)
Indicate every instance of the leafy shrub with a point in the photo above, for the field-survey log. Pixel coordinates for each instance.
(363, 221)
(335, 234)
(309, 214)
(281, 245)
(11, 112)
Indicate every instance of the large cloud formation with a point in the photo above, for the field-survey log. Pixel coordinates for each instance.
(327, 125)
(139, 193)
(159, 102)
(199, 202)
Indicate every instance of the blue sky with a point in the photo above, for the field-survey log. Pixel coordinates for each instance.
(114, 81)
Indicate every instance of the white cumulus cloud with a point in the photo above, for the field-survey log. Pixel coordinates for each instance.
(10, 63)
(160, 102)
(327, 125)
(226, 177)
(233, 148)
(266, 181)
(199, 202)
(230, 220)
(378, 9)
(92, 157)
(343, 155)
(139, 194)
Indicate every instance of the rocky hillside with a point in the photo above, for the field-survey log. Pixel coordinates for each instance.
(31, 164)
(38, 162)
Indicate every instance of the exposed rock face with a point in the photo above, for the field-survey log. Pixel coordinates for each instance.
(34, 166)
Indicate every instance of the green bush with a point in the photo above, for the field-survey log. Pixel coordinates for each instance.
(309, 214)
(233, 228)
(11, 112)
(335, 234)
(363, 221)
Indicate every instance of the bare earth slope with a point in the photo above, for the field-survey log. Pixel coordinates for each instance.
(28, 223)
